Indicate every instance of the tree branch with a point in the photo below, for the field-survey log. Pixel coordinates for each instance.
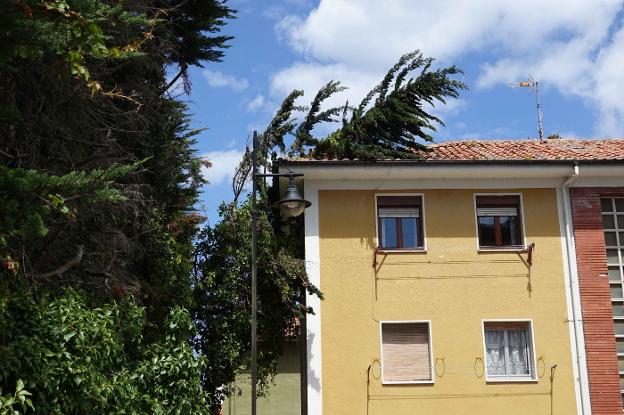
(63, 268)
(6, 154)
(183, 68)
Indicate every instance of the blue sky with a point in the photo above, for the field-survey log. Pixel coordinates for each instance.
(575, 48)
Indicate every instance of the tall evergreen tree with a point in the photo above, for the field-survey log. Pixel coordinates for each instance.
(98, 180)
(94, 99)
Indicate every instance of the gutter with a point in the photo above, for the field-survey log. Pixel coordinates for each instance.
(577, 316)
(388, 170)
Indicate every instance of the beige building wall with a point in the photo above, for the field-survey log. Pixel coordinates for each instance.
(455, 287)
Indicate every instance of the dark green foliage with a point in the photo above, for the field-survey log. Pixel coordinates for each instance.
(98, 180)
(303, 136)
(72, 122)
(66, 33)
(17, 402)
(193, 24)
(77, 359)
(31, 199)
(223, 292)
(273, 136)
(389, 127)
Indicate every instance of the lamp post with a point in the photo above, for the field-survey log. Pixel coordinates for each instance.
(291, 205)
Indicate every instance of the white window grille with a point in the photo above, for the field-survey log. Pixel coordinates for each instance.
(613, 224)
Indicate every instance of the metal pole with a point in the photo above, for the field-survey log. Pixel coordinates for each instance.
(303, 359)
(254, 357)
(539, 113)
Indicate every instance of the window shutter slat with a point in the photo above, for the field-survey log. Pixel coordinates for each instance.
(405, 212)
(406, 354)
(498, 200)
(399, 201)
(497, 211)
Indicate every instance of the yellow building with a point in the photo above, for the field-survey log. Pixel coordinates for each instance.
(447, 288)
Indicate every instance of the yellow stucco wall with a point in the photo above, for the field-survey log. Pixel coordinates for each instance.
(455, 287)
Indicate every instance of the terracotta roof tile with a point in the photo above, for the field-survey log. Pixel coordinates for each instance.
(554, 149)
(516, 150)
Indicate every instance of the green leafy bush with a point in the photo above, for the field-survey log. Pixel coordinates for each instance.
(16, 403)
(76, 359)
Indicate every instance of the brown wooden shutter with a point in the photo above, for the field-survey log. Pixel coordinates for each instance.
(507, 325)
(498, 200)
(399, 201)
(406, 354)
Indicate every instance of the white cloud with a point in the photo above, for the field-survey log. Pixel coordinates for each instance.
(311, 76)
(224, 165)
(373, 33)
(218, 79)
(609, 78)
(568, 44)
(256, 103)
(588, 65)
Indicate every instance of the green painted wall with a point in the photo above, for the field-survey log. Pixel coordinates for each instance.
(284, 394)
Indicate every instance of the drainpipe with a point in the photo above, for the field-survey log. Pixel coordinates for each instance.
(577, 315)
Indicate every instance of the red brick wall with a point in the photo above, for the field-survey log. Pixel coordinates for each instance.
(604, 383)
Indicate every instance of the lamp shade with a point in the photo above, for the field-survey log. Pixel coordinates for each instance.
(292, 204)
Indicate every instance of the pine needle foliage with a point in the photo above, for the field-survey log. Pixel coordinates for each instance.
(394, 119)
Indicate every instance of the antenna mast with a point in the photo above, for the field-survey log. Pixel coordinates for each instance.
(533, 86)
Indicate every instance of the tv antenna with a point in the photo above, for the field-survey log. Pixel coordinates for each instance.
(533, 86)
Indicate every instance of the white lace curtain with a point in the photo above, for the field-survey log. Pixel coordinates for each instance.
(507, 352)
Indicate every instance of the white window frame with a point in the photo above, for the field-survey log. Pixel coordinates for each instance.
(533, 358)
(521, 215)
(403, 382)
(423, 218)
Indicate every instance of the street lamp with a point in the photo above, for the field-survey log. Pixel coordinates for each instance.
(291, 205)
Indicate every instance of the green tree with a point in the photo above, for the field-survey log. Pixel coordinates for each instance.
(84, 90)
(98, 180)
(390, 122)
(222, 310)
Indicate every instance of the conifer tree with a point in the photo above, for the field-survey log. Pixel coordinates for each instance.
(394, 119)
(98, 181)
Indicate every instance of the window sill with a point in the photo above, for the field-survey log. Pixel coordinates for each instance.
(511, 249)
(511, 380)
(406, 382)
(401, 251)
